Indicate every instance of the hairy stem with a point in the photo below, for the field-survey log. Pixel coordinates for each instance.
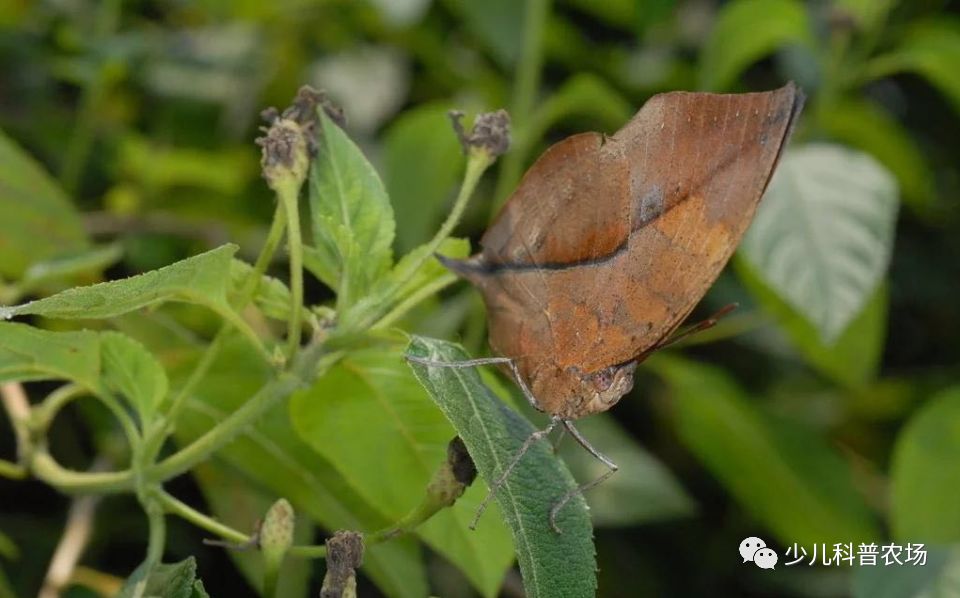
(185, 511)
(288, 199)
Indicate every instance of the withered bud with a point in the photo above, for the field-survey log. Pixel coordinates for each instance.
(453, 477)
(344, 556)
(490, 133)
(464, 469)
(291, 138)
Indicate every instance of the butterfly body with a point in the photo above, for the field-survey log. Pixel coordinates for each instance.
(608, 243)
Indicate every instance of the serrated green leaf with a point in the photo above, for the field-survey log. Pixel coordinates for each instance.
(938, 577)
(642, 491)
(823, 234)
(422, 162)
(169, 580)
(866, 127)
(350, 213)
(370, 417)
(38, 221)
(202, 279)
(270, 456)
(787, 477)
(129, 369)
(746, 31)
(272, 296)
(28, 353)
(853, 358)
(929, 48)
(554, 565)
(924, 474)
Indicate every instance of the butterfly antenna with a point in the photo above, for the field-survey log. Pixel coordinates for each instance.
(539, 434)
(699, 326)
(612, 469)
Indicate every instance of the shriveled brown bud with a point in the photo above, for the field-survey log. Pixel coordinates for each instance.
(490, 133)
(344, 556)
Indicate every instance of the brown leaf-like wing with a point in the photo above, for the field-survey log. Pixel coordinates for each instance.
(609, 243)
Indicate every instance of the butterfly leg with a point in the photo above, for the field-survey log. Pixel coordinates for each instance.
(568, 425)
(469, 363)
(534, 437)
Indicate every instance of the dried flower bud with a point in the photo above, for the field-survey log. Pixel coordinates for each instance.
(453, 477)
(490, 133)
(290, 139)
(344, 556)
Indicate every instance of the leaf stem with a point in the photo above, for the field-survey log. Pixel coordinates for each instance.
(158, 530)
(46, 469)
(411, 301)
(287, 195)
(46, 412)
(197, 451)
(11, 470)
(477, 163)
(185, 511)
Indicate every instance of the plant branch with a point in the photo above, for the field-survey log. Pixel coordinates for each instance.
(46, 469)
(288, 200)
(185, 511)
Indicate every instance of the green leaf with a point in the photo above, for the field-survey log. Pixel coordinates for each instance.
(271, 457)
(171, 580)
(202, 279)
(498, 23)
(786, 476)
(746, 31)
(422, 162)
(38, 222)
(868, 14)
(552, 564)
(350, 213)
(129, 369)
(925, 477)
(584, 95)
(864, 126)
(930, 48)
(61, 271)
(28, 353)
(642, 491)
(371, 419)
(938, 578)
(823, 235)
(853, 358)
(415, 285)
(272, 296)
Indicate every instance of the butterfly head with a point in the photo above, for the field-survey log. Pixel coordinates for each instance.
(572, 393)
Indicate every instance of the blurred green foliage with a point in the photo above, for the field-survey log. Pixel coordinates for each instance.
(825, 410)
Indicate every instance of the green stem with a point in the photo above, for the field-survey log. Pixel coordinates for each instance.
(46, 469)
(158, 531)
(224, 432)
(411, 301)
(155, 439)
(477, 163)
(81, 140)
(526, 84)
(11, 470)
(46, 412)
(288, 199)
(184, 511)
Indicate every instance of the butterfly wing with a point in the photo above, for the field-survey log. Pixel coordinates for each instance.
(608, 243)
